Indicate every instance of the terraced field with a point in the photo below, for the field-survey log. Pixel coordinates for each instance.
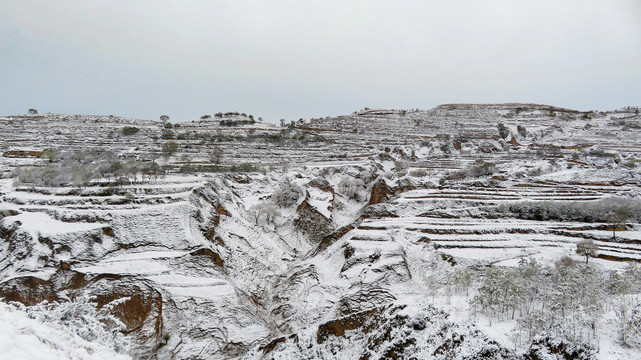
(553, 141)
(334, 218)
(455, 225)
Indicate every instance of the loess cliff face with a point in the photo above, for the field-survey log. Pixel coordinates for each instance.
(330, 249)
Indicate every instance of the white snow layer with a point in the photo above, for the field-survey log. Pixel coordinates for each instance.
(24, 338)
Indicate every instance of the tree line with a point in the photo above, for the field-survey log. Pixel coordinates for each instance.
(81, 168)
(566, 301)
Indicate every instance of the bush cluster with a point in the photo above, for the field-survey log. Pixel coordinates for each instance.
(80, 168)
(350, 187)
(602, 153)
(287, 195)
(480, 168)
(240, 168)
(418, 172)
(130, 130)
(565, 301)
(584, 211)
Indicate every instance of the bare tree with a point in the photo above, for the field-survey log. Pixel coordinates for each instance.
(255, 211)
(504, 132)
(215, 155)
(271, 212)
(49, 154)
(618, 218)
(588, 248)
(267, 209)
(169, 149)
(287, 194)
(349, 187)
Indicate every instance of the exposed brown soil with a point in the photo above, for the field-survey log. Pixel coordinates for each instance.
(380, 193)
(272, 344)
(618, 258)
(332, 238)
(339, 326)
(312, 222)
(209, 253)
(28, 290)
(22, 154)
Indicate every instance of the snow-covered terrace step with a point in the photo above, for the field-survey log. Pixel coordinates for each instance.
(39, 223)
(143, 196)
(69, 213)
(484, 245)
(564, 198)
(499, 236)
(506, 196)
(375, 245)
(119, 202)
(140, 263)
(494, 255)
(619, 255)
(138, 267)
(501, 192)
(209, 292)
(462, 197)
(464, 226)
(419, 222)
(194, 287)
(365, 234)
(526, 245)
(146, 255)
(186, 281)
(620, 250)
(145, 188)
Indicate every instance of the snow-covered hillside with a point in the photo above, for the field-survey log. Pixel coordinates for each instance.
(446, 233)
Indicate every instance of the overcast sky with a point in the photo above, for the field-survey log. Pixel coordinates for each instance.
(292, 58)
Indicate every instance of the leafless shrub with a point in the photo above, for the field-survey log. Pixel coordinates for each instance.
(349, 187)
(287, 194)
(418, 172)
(266, 210)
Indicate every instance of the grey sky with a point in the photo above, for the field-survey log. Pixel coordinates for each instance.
(290, 59)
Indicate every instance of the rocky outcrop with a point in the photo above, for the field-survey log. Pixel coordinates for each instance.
(364, 299)
(131, 300)
(387, 332)
(378, 211)
(5, 213)
(322, 184)
(545, 348)
(332, 238)
(363, 321)
(28, 290)
(311, 222)
(206, 252)
(290, 295)
(380, 192)
(137, 304)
